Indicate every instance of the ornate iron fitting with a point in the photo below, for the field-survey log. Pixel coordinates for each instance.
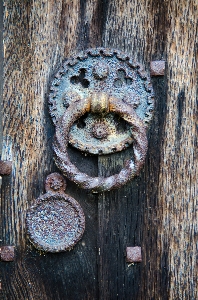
(101, 101)
(56, 221)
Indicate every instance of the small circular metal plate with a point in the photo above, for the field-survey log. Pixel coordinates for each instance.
(111, 72)
(56, 223)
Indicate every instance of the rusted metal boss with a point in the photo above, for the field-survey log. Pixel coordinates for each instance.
(56, 221)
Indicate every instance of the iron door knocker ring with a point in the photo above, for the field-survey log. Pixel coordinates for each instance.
(87, 94)
(100, 103)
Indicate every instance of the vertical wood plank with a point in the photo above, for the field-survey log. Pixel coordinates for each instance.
(178, 170)
(1, 70)
(38, 35)
(156, 30)
(138, 29)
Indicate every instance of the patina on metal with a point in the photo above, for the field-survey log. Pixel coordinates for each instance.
(133, 254)
(5, 167)
(138, 132)
(157, 67)
(56, 221)
(90, 73)
(7, 253)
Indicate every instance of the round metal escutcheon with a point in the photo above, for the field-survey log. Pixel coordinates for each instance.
(113, 73)
(56, 222)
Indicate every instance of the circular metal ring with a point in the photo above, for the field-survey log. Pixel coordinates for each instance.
(99, 184)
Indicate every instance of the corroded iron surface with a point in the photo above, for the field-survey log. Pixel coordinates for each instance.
(137, 131)
(56, 222)
(133, 254)
(7, 253)
(55, 183)
(100, 130)
(101, 71)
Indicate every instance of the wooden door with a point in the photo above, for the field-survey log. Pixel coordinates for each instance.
(157, 209)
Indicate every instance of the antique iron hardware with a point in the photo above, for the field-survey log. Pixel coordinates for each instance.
(157, 67)
(56, 221)
(133, 254)
(5, 167)
(7, 253)
(131, 168)
(101, 101)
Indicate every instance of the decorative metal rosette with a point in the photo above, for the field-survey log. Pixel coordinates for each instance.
(101, 71)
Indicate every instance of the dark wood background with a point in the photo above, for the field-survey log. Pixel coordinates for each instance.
(157, 210)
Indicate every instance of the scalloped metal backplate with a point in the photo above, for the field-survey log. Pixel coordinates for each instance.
(111, 72)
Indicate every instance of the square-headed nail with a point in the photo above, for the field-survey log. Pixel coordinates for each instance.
(157, 67)
(133, 254)
(7, 253)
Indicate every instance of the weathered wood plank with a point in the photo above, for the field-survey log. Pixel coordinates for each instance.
(178, 169)
(1, 70)
(155, 30)
(37, 36)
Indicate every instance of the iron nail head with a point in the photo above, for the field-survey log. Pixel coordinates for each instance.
(133, 254)
(157, 67)
(7, 253)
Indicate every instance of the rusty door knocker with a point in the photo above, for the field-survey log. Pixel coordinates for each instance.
(101, 102)
(92, 104)
(87, 94)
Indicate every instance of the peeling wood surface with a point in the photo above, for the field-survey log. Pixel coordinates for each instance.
(157, 210)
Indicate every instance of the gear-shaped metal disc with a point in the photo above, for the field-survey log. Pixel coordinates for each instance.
(110, 72)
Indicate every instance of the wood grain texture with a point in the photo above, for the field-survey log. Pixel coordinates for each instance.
(178, 169)
(157, 210)
(139, 29)
(166, 230)
(37, 36)
(1, 71)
